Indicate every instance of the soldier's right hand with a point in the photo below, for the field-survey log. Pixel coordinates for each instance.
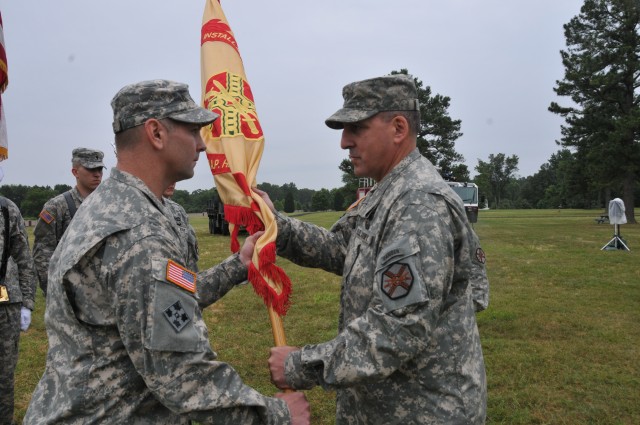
(298, 407)
(246, 252)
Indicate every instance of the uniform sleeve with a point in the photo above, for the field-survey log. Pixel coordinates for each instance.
(194, 250)
(308, 245)
(21, 255)
(45, 240)
(412, 273)
(163, 331)
(478, 280)
(215, 282)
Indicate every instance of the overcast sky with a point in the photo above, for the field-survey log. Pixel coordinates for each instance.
(497, 60)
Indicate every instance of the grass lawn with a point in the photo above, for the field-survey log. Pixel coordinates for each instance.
(561, 337)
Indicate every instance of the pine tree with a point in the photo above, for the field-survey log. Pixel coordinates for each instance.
(602, 77)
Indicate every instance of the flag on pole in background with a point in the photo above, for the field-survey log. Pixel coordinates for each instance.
(234, 148)
(4, 81)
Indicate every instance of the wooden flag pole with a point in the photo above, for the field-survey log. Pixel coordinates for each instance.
(277, 328)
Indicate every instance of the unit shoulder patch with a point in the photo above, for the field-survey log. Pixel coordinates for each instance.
(397, 280)
(480, 256)
(177, 316)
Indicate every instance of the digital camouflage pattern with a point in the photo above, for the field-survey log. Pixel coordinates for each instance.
(51, 225)
(479, 281)
(88, 158)
(10, 328)
(23, 289)
(186, 231)
(126, 345)
(364, 99)
(408, 349)
(136, 103)
(20, 282)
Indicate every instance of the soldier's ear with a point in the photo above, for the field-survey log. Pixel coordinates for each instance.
(400, 127)
(156, 133)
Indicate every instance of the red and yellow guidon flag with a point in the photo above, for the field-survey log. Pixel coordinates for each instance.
(234, 148)
(4, 81)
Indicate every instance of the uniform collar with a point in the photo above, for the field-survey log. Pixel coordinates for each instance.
(131, 180)
(398, 170)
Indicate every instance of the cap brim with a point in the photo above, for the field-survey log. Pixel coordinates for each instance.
(195, 116)
(346, 115)
(92, 165)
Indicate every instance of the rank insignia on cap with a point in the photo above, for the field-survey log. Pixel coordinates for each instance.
(180, 276)
(480, 256)
(177, 316)
(397, 280)
(46, 216)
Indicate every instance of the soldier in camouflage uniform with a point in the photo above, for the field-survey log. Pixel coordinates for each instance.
(17, 299)
(86, 167)
(408, 349)
(187, 231)
(127, 341)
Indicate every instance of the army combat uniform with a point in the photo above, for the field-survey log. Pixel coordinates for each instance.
(127, 341)
(182, 220)
(57, 213)
(19, 291)
(408, 349)
(478, 280)
(52, 223)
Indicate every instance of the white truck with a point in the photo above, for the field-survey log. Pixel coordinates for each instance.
(468, 192)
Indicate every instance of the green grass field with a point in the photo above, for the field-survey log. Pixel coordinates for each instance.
(561, 337)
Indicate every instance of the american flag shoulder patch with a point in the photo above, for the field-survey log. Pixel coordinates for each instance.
(46, 216)
(180, 276)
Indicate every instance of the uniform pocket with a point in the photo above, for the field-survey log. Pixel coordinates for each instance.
(176, 320)
(398, 281)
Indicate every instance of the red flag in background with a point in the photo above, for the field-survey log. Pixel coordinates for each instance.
(4, 81)
(234, 148)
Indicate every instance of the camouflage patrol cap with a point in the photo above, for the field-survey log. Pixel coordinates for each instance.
(88, 158)
(364, 99)
(136, 103)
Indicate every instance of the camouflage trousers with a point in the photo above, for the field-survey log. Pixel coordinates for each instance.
(9, 337)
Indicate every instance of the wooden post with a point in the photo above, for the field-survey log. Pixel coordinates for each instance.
(277, 328)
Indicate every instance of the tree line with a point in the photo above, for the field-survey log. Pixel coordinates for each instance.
(599, 155)
(287, 197)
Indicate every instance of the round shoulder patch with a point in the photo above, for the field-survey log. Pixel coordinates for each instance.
(480, 256)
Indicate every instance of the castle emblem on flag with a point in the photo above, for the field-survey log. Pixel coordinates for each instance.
(229, 96)
(180, 276)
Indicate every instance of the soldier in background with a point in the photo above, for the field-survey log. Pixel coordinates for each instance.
(17, 299)
(182, 220)
(87, 168)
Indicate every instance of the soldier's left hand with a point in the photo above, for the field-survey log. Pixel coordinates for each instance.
(25, 319)
(276, 365)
